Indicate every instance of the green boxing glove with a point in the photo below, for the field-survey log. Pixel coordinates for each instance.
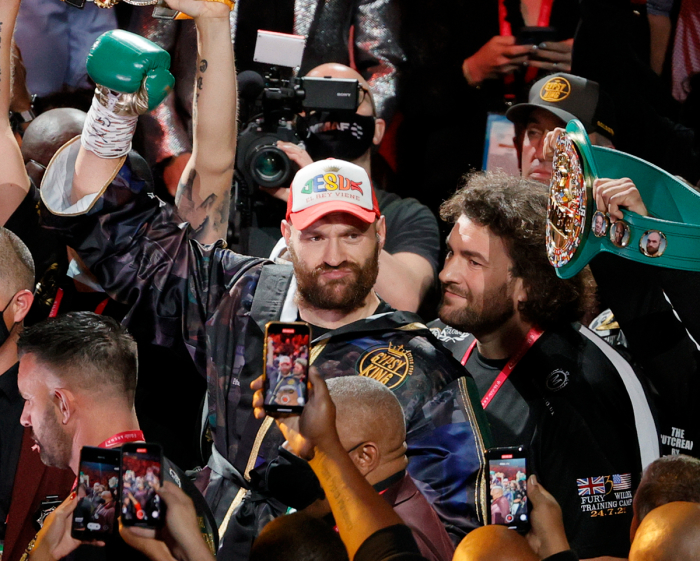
(129, 64)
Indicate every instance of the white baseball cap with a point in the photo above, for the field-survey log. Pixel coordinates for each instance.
(330, 186)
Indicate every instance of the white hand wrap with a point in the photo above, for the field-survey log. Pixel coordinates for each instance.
(105, 133)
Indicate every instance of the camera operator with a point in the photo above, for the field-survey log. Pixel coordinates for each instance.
(409, 260)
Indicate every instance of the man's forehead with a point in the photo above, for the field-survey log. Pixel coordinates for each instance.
(338, 219)
(544, 119)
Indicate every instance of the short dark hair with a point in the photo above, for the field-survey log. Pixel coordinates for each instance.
(666, 480)
(298, 537)
(17, 271)
(96, 352)
(515, 210)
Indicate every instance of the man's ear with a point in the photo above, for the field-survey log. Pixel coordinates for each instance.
(366, 458)
(519, 291)
(65, 403)
(381, 231)
(379, 130)
(286, 229)
(21, 305)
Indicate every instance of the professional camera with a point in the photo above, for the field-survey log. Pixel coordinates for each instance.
(274, 104)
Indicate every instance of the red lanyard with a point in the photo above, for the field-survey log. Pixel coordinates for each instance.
(122, 438)
(542, 20)
(532, 336)
(57, 304)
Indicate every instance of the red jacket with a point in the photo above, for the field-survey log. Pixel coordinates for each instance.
(33, 483)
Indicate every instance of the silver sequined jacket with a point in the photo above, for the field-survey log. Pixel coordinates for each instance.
(326, 24)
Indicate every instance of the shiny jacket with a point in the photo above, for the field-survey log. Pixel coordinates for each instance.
(216, 303)
(326, 24)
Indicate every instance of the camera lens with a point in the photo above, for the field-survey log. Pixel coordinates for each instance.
(270, 166)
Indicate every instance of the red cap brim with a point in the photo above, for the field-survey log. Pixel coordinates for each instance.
(304, 218)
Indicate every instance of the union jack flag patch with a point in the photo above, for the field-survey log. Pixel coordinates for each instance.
(591, 486)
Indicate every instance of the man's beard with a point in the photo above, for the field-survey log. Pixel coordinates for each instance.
(346, 294)
(55, 445)
(498, 308)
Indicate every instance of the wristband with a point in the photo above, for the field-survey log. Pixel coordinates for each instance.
(108, 131)
(576, 232)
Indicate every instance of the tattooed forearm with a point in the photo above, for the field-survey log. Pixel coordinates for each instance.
(336, 495)
(208, 217)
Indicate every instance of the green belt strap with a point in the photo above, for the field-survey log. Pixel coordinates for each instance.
(673, 223)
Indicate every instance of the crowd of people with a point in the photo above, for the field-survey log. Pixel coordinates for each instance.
(166, 198)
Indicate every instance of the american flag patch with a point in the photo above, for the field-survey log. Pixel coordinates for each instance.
(622, 482)
(591, 486)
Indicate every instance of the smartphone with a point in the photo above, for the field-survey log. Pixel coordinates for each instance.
(535, 35)
(95, 515)
(508, 475)
(141, 477)
(286, 367)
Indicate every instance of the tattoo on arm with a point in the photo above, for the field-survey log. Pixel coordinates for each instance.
(338, 495)
(203, 66)
(210, 214)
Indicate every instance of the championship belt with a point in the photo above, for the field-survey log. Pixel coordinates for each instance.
(577, 232)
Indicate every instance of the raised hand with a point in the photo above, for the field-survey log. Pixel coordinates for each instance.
(552, 55)
(54, 540)
(611, 194)
(546, 536)
(498, 57)
(200, 9)
(314, 428)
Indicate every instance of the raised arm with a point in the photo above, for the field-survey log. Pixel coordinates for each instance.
(14, 182)
(358, 509)
(203, 195)
(98, 162)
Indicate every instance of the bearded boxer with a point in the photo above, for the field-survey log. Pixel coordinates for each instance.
(217, 302)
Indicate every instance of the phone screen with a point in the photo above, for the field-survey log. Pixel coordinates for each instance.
(508, 488)
(97, 492)
(286, 366)
(141, 478)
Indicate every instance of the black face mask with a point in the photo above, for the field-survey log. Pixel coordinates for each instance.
(4, 332)
(328, 134)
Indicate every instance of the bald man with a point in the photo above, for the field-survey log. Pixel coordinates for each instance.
(371, 428)
(668, 533)
(546, 539)
(666, 480)
(45, 135)
(494, 543)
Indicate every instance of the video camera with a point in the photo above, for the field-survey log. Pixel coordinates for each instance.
(276, 103)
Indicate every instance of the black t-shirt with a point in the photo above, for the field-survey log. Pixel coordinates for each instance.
(565, 401)
(11, 434)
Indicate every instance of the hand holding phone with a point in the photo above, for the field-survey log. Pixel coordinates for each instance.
(286, 367)
(508, 475)
(141, 477)
(96, 494)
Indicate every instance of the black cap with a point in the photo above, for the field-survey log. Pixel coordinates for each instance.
(568, 97)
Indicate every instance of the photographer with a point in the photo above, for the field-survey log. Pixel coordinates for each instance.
(409, 261)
